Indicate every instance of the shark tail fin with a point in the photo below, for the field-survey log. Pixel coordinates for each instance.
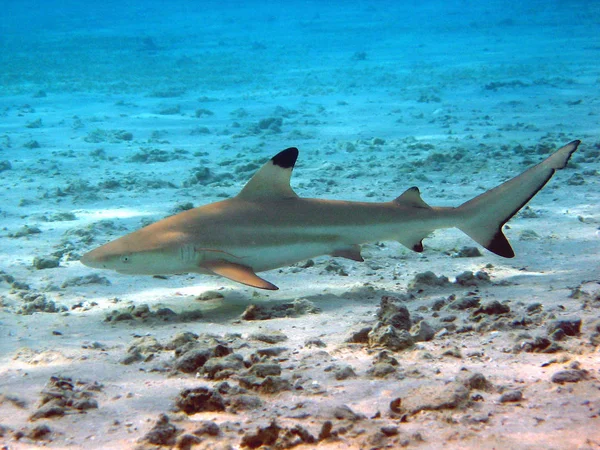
(484, 216)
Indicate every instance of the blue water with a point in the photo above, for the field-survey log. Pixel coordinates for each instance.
(128, 46)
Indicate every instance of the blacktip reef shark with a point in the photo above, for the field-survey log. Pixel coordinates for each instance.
(267, 225)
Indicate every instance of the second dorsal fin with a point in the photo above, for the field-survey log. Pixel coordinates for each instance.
(273, 179)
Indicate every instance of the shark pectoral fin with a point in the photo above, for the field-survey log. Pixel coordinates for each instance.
(237, 272)
(351, 252)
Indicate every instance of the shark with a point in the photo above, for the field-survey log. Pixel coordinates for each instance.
(268, 226)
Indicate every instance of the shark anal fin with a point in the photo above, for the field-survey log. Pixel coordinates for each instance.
(237, 272)
(352, 252)
(415, 244)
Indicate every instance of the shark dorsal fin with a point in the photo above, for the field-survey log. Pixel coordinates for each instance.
(273, 179)
(412, 197)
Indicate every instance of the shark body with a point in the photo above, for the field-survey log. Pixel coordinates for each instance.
(267, 225)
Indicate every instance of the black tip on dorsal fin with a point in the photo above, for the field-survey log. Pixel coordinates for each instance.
(286, 158)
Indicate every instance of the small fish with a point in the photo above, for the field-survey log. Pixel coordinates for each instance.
(267, 225)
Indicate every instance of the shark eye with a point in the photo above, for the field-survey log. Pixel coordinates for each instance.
(125, 258)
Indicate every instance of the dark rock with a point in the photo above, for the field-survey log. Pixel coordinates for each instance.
(263, 370)
(427, 279)
(193, 360)
(270, 337)
(534, 308)
(206, 427)
(465, 303)
(45, 263)
(83, 404)
(468, 278)
(390, 313)
(493, 307)
(468, 252)
(163, 432)
(511, 396)
(390, 430)
(194, 400)
(360, 337)
(243, 402)
(344, 412)
(342, 373)
(569, 376)
(435, 397)
(267, 385)
(396, 405)
(223, 367)
(272, 351)
(387, 336)
(558, 335)
(438, 304)
(326, 429)
(131, 357)
(315, 342)
(39, 432)
(262, 437)
(187, 441)
(477, 381)
(423, 332)
(381, 370)
(571, 327)
(537, 345)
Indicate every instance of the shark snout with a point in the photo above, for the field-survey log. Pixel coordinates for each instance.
(90, 259)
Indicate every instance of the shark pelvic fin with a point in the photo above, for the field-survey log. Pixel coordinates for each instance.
(237, 272)
(411, 197)
(351, 252)
(272, 181)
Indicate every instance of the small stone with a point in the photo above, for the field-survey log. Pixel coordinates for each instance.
(207, 428)
(84, 404)
(39, 432)
(264, 436)
(344, 412)
(493, 307)
(360, 337)
(50, 409)
(187, 441)
(465, 303)
(263, 370)
(131, 357)
(390, 313)
(192, 360)
(270, 337)
(326, 429)
(478, 381)
(194, 400)
(511, 396)
(387, 336)
(342, 373)
(571, 327)
(569, 376)
(41, 263)
(315, 342)
(423, 332)
(396, 405)
(163, 432)
(468, 252)
(427, 279)
(390, 430)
